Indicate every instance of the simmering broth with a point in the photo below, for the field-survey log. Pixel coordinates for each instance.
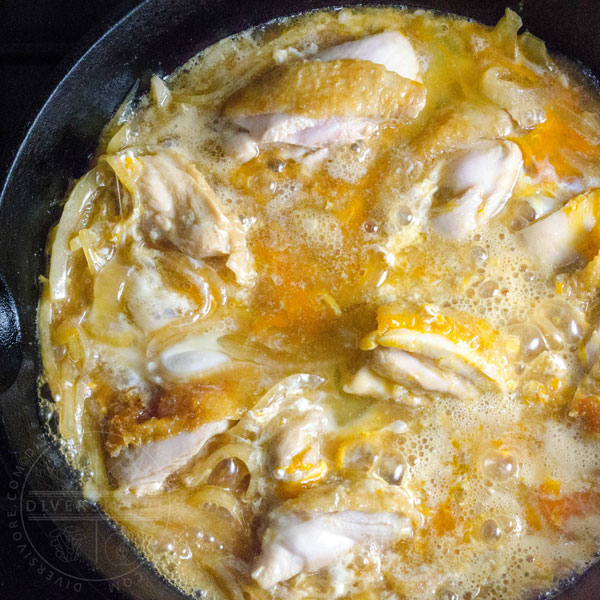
(322, 320)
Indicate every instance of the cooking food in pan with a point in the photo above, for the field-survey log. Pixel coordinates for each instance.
(322, 319)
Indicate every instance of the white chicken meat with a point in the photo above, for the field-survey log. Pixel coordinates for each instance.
(566, 234)
(414, 370)
(475, 185)
(143, 469)
(296, 543)
(389, 48)
(179, 206)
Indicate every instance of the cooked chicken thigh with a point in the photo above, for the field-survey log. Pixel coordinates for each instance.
(304, 131)
(461, 127)
(414, 370)
(438, 351)
(390, 49)
(143, 469)
(319, 527)
(569, 233)
(179, 206)
(476, 183)
(339, 96)
(365, 382)
(295, 543)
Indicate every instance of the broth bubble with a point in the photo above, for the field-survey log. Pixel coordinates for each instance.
(499, 466)
(392, 468)
(490, 531)
(231, 474)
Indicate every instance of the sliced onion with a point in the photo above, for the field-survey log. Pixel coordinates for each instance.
(121, 139)
(535, 51)
(159, 92)
(121, 115)
(192, 357)
(524, 104)
(74, 214)
(506, 31)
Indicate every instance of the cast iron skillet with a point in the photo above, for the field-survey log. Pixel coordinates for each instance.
(142, 38)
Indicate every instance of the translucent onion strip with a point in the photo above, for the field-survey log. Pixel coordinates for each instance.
(74, 214)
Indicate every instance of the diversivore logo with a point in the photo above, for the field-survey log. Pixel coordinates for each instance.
(53, 530)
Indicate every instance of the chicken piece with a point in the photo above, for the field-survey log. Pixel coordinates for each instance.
(143, 469)
(339, 96)
(460, 127)
(406, 369)
(179, 206)
(389, 48)
(322, 90)
(294, 448)
(567, 234)
(476, 182)
(290, 421)
(405, 197)
(295, 543)
(446, 351)
(318, 528)
(366, 382)
(458, 217)
(240, 144)
(304, 131)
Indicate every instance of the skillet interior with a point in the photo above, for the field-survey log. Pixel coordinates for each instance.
(157, 36)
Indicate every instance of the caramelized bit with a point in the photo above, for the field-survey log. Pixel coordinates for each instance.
(585, 406)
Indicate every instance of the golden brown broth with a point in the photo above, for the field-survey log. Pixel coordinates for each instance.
(316, 235)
